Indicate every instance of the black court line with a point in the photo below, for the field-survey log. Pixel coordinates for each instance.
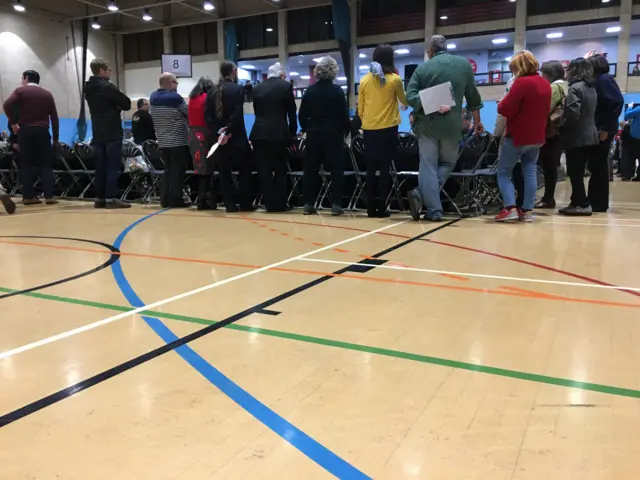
(273, 313)
(56, 397)
(115, 255)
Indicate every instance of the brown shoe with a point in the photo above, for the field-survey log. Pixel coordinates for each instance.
(31, 201)
(51, 201)
(9, 206)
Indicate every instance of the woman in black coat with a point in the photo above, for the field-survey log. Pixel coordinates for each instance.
(608, 110)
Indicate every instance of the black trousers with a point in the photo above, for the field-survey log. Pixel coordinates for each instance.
(272, 165)
(577, 160)
(380, 147)
(598, 163)
(175, 165)
(205, 191)
(36, 154)
(549, 160)
(630, 153)
(230, 158)
(518, 183)
(327, 150)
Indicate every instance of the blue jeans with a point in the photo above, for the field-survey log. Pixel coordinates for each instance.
(437, 159)
(507, 160)
(108, 156)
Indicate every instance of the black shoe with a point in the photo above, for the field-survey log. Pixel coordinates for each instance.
(248, 208)
(383, 214)
(116, 203)
(231, 208)
(336, 211)
(636, 179)
(180, 205)
(204, 206)
(309, 210)
(100, 203)
(372, 214)
(544, 204)
(8, 204)
(415, 204)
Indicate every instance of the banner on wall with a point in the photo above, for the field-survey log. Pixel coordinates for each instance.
(474, 65)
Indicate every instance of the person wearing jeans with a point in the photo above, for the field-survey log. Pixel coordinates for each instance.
(106, 104)
(439, 133)
(578, 132)
(526, 108)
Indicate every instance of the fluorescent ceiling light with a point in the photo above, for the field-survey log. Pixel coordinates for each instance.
(606, 1)
(269, 29)
(113, 7)
(402, 51)
(18, 6)
(317, 59)
(443, 17)
(305, 77)
(451, 46)
(95, 25)
(508, 59)
(146, 16)
(499, 41)
(364, 67)
(362, 55)
(248, 67)
(293, 74)
(342, 79)
(208, 6)
(555, 35)
(614, 29)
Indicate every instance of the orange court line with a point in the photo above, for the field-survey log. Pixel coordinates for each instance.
(533, 293)
(342, 275)
(455, 277)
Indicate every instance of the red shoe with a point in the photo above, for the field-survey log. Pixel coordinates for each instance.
(507, 215)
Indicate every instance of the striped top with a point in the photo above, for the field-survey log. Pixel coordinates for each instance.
(169, 112)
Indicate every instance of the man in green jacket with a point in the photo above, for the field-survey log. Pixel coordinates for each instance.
(439, 133)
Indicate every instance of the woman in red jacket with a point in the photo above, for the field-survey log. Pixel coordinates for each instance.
(200, 141)
(526, 108)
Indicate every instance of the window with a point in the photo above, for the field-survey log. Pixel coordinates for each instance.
(142, 47)
(258, 31)
(310, 25)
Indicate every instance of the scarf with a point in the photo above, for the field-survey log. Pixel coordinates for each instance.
(376, 70)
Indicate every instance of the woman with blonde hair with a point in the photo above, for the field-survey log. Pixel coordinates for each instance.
(526, 108)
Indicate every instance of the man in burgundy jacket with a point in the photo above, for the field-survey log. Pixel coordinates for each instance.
(35, 108)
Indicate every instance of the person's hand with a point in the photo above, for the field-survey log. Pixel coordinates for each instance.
(603, 136)
(478, 128)
(15, 147)
(15, 128)
(225, 139)
(444, 109)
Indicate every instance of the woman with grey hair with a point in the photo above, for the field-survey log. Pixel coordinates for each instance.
(324, 117)
(200, 141)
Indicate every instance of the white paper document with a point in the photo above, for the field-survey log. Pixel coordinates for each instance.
(215, 146)
(435, 97)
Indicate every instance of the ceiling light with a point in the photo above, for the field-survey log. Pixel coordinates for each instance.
(146, 16)
(402, 51)
(113, 6)
(364, 67)
(508, 59)
(606, 1)
(18, 6)
(248, 67)
(555, 35)
(294, 74)
(443, 17)
(614, 29)
(342, 79)
(269, 29)
(451, 46)
(512, 1)
(317, 59)
(305, 77)
(362, 55)
(208, 6)
(95, 25)
(499, 41)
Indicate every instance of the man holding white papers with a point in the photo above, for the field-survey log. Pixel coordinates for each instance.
(439, 133)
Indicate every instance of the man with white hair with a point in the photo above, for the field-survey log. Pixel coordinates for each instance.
(169, 113)
(275, 124)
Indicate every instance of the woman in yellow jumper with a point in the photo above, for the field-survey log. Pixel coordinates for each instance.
(378, 96)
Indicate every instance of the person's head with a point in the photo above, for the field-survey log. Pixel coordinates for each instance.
(326, 69)
(100, 68)
(143, 104)
(228, 70)
(467, 119)
(168, 81)
(600, 65)
(204, 85)
(30, 76)
(383, 54)
(524, 63)
(580, 69)
(276, 71)
(437, 44)
(552, 71)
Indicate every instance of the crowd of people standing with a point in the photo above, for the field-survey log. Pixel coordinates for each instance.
(540, 116)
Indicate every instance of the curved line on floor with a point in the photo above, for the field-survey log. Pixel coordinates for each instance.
(115, 254)
(296, 437)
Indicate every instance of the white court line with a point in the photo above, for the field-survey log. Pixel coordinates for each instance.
(99, 323)
(480, 275)
(538, 220)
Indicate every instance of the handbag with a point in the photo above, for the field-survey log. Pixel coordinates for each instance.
(555, 117)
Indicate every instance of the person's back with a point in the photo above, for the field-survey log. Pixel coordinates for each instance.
(275, 110)
(37, 108)
(324, 109)
(378, 103)
(142, 127)
(196, 111)
(526, 108)
(106, 104)
(579, 128)
(169, 113)
(232, 112)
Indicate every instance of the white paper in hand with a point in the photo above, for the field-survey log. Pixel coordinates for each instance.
(215, 146)
(435, 97)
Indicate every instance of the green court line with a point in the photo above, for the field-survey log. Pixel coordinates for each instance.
(531, 377)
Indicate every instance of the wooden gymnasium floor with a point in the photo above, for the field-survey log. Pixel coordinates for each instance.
(346, 347)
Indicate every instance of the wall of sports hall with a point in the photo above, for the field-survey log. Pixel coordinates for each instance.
(297, 37)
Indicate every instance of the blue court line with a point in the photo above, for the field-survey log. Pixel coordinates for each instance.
(296, 437)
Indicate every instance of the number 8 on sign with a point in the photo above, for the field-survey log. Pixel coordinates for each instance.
(179, 65)
(176, 64)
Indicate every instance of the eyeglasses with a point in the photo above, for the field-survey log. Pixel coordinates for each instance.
(174, 81)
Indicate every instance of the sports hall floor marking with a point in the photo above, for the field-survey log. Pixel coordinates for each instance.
(91, 326)
(607, 389)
